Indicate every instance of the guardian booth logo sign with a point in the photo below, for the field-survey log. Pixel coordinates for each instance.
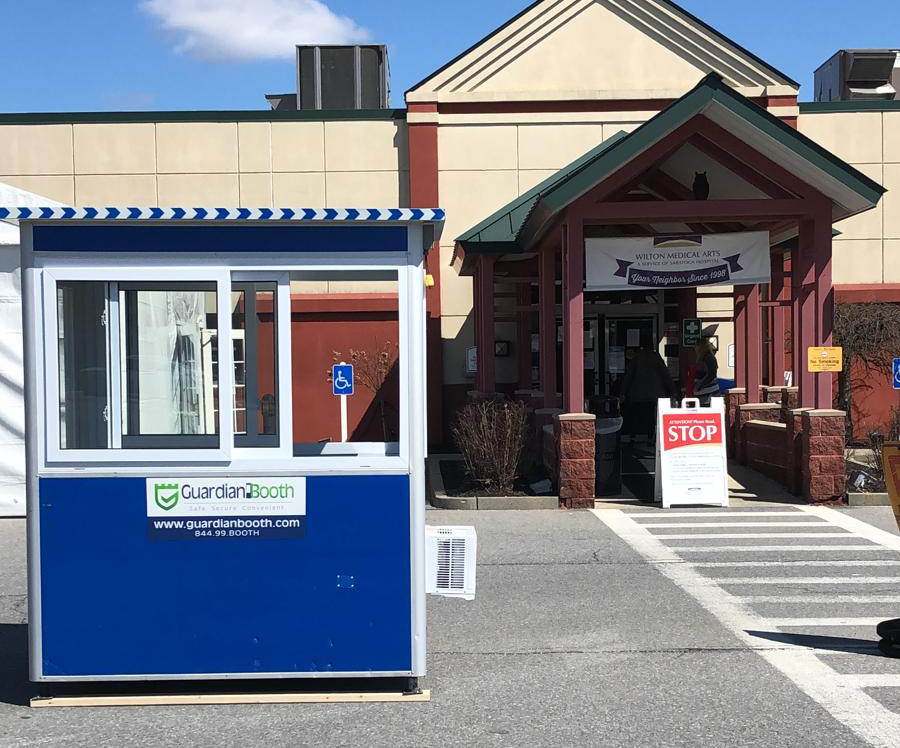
(226, 508)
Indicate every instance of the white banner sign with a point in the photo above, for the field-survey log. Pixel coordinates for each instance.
(691, 463)
(677, 262)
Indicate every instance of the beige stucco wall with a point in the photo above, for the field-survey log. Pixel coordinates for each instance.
(254, 164)
(867, 249)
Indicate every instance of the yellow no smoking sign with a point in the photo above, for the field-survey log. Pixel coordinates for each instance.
(825, 359)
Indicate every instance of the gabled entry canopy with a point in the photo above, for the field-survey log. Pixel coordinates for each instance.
(750, 156)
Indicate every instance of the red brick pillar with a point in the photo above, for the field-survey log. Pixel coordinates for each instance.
(792, 418)
(734, 399)
(790, 398)
(575, 434)
(824, 464)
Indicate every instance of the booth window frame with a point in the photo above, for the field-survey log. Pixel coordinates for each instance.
(335, 457)
(130, 277)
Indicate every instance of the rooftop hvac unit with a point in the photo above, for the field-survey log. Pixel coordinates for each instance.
(450, 561)
(343, 77)
(859, 74)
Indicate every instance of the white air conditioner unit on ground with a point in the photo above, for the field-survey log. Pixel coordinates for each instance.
(450, 561)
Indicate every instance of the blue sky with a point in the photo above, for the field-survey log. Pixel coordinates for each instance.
(60, 55)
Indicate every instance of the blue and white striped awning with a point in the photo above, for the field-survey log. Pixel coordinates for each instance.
(221, 214)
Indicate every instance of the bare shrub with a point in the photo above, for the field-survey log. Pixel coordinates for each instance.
(491, 436)
(869, 333)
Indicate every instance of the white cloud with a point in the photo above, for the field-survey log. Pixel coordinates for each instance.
(251, 29)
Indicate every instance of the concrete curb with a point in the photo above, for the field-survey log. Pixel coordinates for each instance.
(868, 499)
(440, 500)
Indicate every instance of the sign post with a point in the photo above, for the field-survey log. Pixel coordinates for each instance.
(342, 386)
(691, 463)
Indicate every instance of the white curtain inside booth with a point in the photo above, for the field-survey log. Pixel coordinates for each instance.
(170, 374)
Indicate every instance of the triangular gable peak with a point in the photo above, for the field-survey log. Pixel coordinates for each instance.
(598, 50)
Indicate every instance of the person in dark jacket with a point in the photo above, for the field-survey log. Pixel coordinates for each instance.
(646, 380)
(706, 376)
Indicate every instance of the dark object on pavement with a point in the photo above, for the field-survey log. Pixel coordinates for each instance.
(889, 631)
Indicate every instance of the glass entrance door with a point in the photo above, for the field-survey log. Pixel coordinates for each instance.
(625, 336)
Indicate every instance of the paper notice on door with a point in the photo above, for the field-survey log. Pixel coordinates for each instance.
(616, 360)
(633, 338)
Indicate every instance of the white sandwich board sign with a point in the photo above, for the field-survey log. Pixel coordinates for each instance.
(691, 462)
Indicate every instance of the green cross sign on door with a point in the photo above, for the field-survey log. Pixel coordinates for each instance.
(692, 331)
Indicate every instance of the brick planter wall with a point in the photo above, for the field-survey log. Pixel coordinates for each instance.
(824, 465)
(765, 448)
(767, 412)
(575, 434)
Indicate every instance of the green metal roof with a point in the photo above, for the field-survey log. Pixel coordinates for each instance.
(854, 105)
(515, 227)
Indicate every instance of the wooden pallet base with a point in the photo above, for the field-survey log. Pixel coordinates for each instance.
(229, 698)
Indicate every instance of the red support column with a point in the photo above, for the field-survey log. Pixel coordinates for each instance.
(740, 336)
(523, 335)
(804, 305)
(424, 193)
(547, 326)
(484, 323)
(778, 293)
(804, 315)
(573, 315)
(824, 302)
(753, 341)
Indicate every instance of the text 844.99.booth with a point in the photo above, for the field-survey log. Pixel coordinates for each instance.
(195, 508)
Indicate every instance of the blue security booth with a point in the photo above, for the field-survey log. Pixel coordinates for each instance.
(177, 529)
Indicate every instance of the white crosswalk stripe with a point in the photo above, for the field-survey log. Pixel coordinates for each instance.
(753, 535)
(805, 642)
(815, 562)
(771, 548)
(809, 580)
(669, 525)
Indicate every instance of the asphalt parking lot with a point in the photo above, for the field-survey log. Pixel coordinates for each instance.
(578, 636)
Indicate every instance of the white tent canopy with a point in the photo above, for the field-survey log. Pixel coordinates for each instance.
(12, 415)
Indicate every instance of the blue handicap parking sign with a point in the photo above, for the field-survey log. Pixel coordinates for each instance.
(342, 379)
(897, 373)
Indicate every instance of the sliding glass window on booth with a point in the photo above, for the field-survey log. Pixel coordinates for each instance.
(227, 367)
